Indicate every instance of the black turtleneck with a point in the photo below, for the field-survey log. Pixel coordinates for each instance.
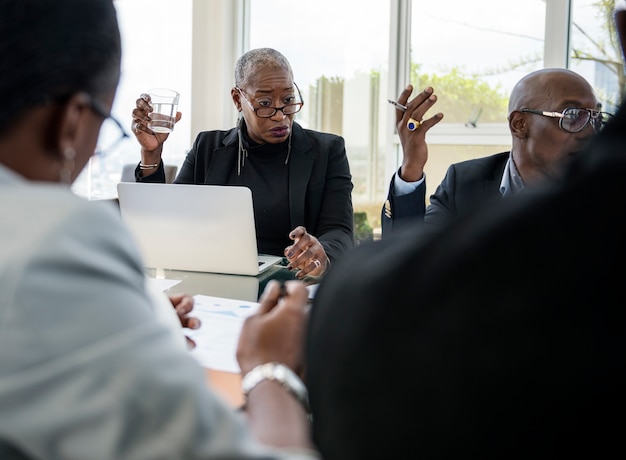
(264, 171)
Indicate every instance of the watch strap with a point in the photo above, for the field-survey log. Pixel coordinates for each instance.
(281, 374)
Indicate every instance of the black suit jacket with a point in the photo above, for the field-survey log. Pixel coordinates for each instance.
(320, 183)
(465, 185)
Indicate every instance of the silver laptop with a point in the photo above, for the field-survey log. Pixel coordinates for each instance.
(204, 228)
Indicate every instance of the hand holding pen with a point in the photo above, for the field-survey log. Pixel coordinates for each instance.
(412, 128)
(275, 333)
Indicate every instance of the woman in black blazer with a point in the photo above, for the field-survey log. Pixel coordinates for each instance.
(300, 179)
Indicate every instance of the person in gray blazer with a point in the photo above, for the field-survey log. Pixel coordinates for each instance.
(89, 368)
(300, 179)
(553, 113)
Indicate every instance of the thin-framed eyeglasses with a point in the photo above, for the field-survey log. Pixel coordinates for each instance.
(268, 112)
(111, 131)
(574, 120)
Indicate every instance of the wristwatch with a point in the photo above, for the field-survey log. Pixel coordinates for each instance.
(279, 373)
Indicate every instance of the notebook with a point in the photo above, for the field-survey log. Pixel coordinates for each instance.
(204, 228)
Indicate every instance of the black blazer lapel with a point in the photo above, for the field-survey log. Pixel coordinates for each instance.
(492, 184)
(222, 160)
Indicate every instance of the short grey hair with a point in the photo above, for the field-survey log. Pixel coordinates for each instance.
(250, 62)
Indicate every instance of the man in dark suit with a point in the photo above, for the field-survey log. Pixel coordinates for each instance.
(501, 335)
(544, 138)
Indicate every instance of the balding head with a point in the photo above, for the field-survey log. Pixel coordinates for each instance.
(538, 89)
(540, 147)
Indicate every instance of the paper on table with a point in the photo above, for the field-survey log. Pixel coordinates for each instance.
(216, 339)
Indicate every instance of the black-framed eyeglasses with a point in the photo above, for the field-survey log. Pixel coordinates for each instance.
(574, 120)
(268, 112)
(111, 131)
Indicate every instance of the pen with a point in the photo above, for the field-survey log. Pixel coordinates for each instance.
(398, 106)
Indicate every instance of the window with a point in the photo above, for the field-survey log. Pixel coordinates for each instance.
(156, 52)
(594, 51)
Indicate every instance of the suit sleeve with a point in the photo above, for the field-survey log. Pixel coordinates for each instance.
(400, 211)
(157, 177)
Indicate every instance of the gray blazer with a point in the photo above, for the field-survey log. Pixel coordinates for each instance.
(86, 368)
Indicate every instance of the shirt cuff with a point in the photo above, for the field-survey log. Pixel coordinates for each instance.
(402, 187)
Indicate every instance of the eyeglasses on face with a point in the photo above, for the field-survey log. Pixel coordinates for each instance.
(574, 120)
(266, 111)
(111, 131)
